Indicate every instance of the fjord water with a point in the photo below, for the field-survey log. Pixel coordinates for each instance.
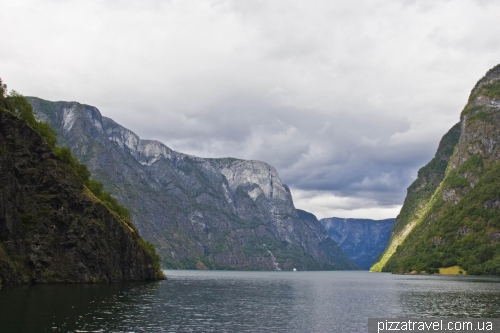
(229, 301)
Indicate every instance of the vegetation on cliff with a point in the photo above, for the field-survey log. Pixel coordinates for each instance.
(18, 105)
(458, 221)
(56, 224)
(419, 194)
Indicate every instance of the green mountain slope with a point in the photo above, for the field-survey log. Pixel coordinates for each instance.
(451, 215)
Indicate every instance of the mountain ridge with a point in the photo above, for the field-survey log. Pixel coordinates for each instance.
(221, 213)
(362, 240)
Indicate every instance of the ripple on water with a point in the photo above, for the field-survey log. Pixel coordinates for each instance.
(227, 301)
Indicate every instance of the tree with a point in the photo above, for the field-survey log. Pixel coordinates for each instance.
(3, 93)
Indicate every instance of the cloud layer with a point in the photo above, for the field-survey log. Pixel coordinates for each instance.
(346, 99)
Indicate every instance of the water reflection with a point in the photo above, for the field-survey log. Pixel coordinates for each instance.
(194, 301)
(57, 308)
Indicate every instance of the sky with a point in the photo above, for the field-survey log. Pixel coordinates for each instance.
(346, 99)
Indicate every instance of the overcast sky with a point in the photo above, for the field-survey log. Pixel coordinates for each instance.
(346, 99)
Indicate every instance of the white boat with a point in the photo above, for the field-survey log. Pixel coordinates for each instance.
(295, 269)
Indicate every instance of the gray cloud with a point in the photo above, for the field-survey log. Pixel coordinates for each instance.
(346, 99)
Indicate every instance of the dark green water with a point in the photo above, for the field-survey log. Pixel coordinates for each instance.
(226, 301)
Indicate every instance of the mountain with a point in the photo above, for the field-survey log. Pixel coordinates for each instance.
(52, 228)
(362, 240)
(420, 193)
(451, 214)
(222, 213)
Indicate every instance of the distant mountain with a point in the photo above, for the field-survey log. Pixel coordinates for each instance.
(451, 214)
(362, 240)
(52, 229)
(200, 213)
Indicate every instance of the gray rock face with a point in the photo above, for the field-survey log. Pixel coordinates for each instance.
(200, 213)
(362, 240)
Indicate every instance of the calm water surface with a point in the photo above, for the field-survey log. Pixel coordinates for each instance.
(227, 301)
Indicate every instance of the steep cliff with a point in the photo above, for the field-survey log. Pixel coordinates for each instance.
(419, 195)
(200, 213)
(362, 240)
(52, 229)
(459, 223)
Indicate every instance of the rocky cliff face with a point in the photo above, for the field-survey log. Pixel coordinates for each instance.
(51, 228)
(362, 240)
(200, 213)
(457, 220)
